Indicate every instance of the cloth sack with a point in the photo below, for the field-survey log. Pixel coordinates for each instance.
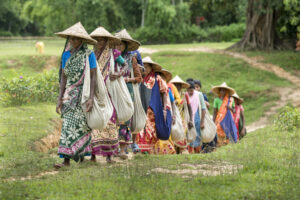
(102, 109)
(120, 96)
(163, 127)
(139, 117)
(191, 133)
(210, 129)
(177, 130)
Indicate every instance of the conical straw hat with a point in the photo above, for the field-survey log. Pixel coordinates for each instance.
(102, 32)
(177, 79)
(166, 73)
(216, 89)
(240, 100)
(77, 30)
(155, 66)
(124, 36)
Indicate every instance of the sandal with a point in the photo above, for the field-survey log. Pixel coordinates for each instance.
(135, 148)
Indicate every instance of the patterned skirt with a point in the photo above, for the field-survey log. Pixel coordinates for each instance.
(148, 141)
(105, 142)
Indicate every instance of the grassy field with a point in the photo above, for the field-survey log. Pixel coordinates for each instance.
(288, 60)
(268, 159)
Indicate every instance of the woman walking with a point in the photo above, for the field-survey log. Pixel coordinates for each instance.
(222, 103)
(181, 100)
(196, 99)
(106, 141)
(239, 117)
(75, 137)
(147, 138)
(127, 45)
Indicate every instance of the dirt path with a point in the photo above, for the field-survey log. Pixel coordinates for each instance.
(287, 95)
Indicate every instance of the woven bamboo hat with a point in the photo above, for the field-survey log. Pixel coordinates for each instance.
(155, 66)
(240, 100)
(102, 32)
(166, 73)
(77, 30)
(216, 89)
(124, 36)
(178, 80)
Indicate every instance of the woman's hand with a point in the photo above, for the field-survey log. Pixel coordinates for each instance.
(202, 126)
(89, 105)
(243, 132)
(113, 77)
(58, 107)
(173, 119)
(190, 125)
(165, 114)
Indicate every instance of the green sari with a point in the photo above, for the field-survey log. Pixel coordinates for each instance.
(75, 137)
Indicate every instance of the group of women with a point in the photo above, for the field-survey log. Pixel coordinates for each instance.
(116, 56)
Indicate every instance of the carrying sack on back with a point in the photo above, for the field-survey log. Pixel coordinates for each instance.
(191, 133)
(163, 127)
(177, 130)
(210, 129)
(139, 116)
(120, 96)
(102, 109)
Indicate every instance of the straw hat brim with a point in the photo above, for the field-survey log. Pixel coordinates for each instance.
(239, 99)
(216, 90)
(166, 73)
(155, 66)
(183, 84)
(132, 44)
(112, 40)
(86, 39)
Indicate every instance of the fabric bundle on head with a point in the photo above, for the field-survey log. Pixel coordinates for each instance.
(102, 32)
(77, 30)
(124, 36)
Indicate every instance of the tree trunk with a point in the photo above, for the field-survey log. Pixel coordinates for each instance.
(144, 7)
(260, 30)
(173, 2)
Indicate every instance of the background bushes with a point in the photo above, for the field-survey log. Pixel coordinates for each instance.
(23, 90)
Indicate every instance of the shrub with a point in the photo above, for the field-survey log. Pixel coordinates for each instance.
(288, 119)
(22, 90)
(189, 33)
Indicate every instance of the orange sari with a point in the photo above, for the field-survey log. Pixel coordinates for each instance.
(222, 139)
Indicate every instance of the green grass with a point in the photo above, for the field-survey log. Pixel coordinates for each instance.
(254, 85)
(270, 162)
(215, 45)
(24, 65)
(19, 128)
(288, 60)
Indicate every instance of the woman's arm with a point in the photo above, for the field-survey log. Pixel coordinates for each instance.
(190, 123)
(202, 118)
(136, 72)
(215, 114)
(243, 121)
(62, 88)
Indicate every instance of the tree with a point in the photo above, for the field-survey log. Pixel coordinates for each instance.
(266, 24)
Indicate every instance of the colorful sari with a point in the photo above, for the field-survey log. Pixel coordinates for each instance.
(237, 116)
(194, 102)
(222, 139)
(147, 138)
(75, 140)
(106, 142)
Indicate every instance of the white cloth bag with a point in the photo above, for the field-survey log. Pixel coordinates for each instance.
(120, 95)
(139, 116)
(210, 129)
(177, 131)
(191, 133)
(102, 109)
